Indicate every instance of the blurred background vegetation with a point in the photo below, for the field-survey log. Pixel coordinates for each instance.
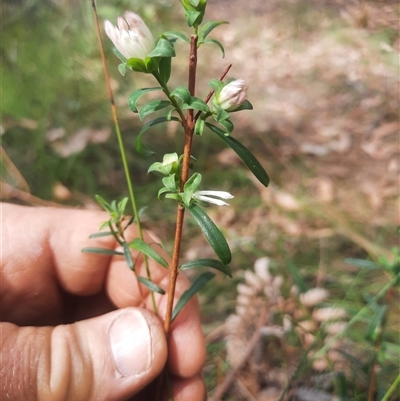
(324, 82)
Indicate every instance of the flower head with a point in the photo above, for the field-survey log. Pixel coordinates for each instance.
(232, 95)
(132, 37)
(212, 197)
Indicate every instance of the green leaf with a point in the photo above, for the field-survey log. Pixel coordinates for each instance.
(137, 64)
(199, 127)
(128, 256)
(139, 145)
(214, 263)
(164, 190)
(151, 64)
(196, 104)
(191, 186)
(141, 246)
(153, 106)
(102, 251)
(122, 69)
(193, 17)
(174, 34)
(364, 264)
(376, 321)
(135, 96)
(207, 28)
(227, 124)
(246, 105)
(165, 69)
(103, 203)
(122, 205)
(198, 283)
(149, 284)
(164, 48)
(215, 42)
(119, 55)
(101, 234)
(170, 183)
(182, 93)
(251, 162)
(212, 233)
(221, 114)
(217, 85)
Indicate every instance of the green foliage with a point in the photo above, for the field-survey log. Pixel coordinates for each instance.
(212, 233)
(150, 285)
(251, 162)
(215, 264)
(198, 283)
(147, 250)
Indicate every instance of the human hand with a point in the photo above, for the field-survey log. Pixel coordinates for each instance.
(73, 326)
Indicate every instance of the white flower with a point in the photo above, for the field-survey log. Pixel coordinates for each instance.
(205, 196)
(132, 38)
(232, 95)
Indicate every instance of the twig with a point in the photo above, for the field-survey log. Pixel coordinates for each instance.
(220, 391)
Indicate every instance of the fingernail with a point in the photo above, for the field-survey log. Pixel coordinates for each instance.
(130, 341)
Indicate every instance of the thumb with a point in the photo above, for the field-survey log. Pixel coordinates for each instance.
(110, 357)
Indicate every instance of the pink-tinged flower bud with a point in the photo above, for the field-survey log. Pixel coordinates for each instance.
(132, 37)
(232, 95)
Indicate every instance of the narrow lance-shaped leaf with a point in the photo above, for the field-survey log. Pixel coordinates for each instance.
(212, 233)
(101, 251)
(248, 158)
(173, 34)
(214, 263)
(128, 256)
(362, 263)
(135, 96)
(198, 283)
(376, 321)
(141, 246)
(207, 28)
(153, 106)
(139, 145)
(215, 42)
(150, 285)
(100, 234)
(103, 203)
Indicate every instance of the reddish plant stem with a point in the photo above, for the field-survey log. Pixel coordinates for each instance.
(189, 129)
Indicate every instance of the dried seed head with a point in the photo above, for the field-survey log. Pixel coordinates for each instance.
(314, 296)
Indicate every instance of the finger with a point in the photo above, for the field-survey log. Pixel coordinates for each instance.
(42, 255)
(110, 357)
(193, 389)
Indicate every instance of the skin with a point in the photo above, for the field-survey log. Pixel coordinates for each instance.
(57, 306)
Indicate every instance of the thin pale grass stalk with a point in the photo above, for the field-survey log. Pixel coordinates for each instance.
(391, 389)
(122, 147)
